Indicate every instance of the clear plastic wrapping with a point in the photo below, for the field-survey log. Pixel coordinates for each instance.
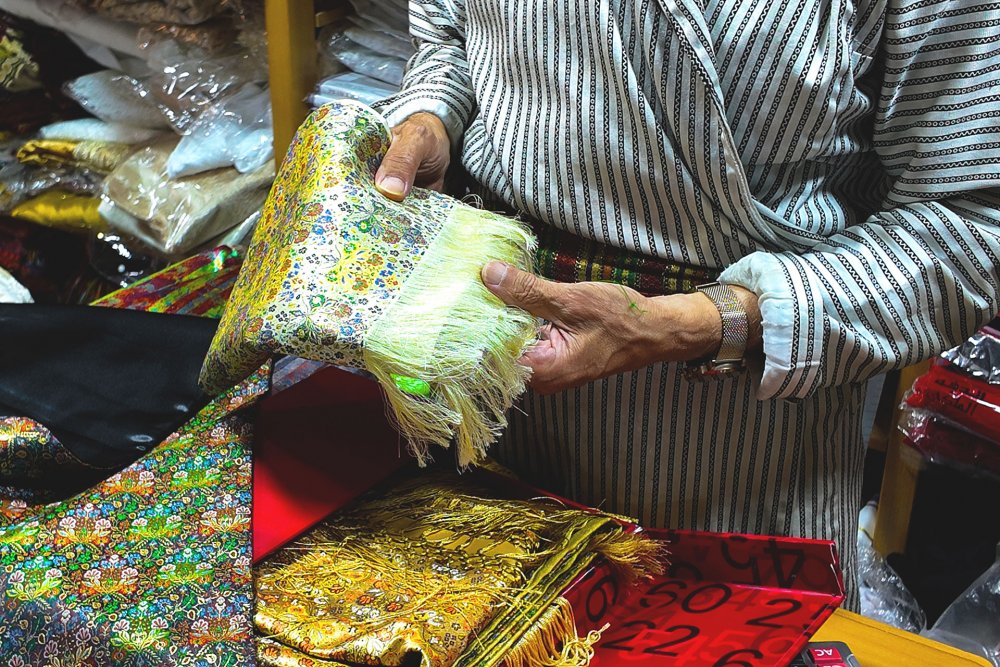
(186, 81)
(972, 622)
(120, 260)
(380, 41)
(384, 14)
(351, 85)
(944, 442)
(336, 45)
(174, 216)
(19, 183)
(958, 398)
(116, 98)
(213, 37)
(185, 12)
(884, 596)
(235, 131)
(979, 356)
(94, 129)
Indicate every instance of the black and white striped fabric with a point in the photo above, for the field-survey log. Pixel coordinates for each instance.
(840, 158)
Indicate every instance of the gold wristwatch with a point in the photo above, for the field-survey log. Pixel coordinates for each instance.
(729, 360)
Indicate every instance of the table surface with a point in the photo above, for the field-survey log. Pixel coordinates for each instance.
(878, 645)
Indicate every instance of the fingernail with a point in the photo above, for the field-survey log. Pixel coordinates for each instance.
(493, 273)
(393, 185)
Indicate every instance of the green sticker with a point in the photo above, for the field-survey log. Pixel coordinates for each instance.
(414, 386)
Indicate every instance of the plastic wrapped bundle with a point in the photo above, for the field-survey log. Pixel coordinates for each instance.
(352, 86)
(338, 273)
(361, 59)
(174, 216)
(234, 132)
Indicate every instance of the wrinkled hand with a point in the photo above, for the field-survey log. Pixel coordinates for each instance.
(419, 155)
(595, 330)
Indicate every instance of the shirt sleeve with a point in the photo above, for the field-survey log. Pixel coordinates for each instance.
(923, 273)
(437, 77)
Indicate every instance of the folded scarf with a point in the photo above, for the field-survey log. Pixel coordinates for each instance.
(338, 273)
(198, 285)
(99, 156)
(62, 210)
(437, 570)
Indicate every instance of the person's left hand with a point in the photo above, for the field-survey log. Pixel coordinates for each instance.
(595, 330)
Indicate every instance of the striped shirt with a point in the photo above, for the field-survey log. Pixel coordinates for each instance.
(839, 158)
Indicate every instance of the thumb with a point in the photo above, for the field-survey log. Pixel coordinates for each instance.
(398, 170)
(523, 290)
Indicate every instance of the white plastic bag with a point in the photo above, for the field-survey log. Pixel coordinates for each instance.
(235, 131)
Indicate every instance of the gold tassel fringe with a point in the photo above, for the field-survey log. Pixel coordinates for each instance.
(553, 641)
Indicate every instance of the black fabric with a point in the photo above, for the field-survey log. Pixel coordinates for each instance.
(110, 384)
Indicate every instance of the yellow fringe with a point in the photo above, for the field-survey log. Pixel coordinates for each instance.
(632, 556)
(553, 641)
(447, 329)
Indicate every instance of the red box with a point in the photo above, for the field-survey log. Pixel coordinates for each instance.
(726, 600)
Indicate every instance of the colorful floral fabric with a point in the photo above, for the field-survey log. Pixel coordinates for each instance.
(199, 285)
(34, 467)
(149, 567)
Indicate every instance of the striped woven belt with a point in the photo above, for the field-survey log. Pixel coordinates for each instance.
(569, 258)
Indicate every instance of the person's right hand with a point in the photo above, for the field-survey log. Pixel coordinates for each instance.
(419, 155)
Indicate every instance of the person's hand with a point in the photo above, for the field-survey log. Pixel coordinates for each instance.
(419, 155)
(595, 330)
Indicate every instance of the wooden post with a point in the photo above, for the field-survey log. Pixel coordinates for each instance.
(291, 48)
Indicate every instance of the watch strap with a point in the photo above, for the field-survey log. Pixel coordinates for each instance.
(735, 327)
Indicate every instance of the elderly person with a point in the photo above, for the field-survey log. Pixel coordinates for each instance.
(834, 164)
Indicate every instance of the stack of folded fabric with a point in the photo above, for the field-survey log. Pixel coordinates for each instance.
(374, 44)
(123, 171)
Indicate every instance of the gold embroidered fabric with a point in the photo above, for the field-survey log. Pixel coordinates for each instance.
(438, 570)
(62, 210)
(100, 156)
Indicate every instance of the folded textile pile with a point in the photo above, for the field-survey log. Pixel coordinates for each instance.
(436, 570)
(374, 44)
(338, 273)
(176, 215)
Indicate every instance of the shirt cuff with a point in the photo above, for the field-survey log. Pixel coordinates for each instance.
(791, 311)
